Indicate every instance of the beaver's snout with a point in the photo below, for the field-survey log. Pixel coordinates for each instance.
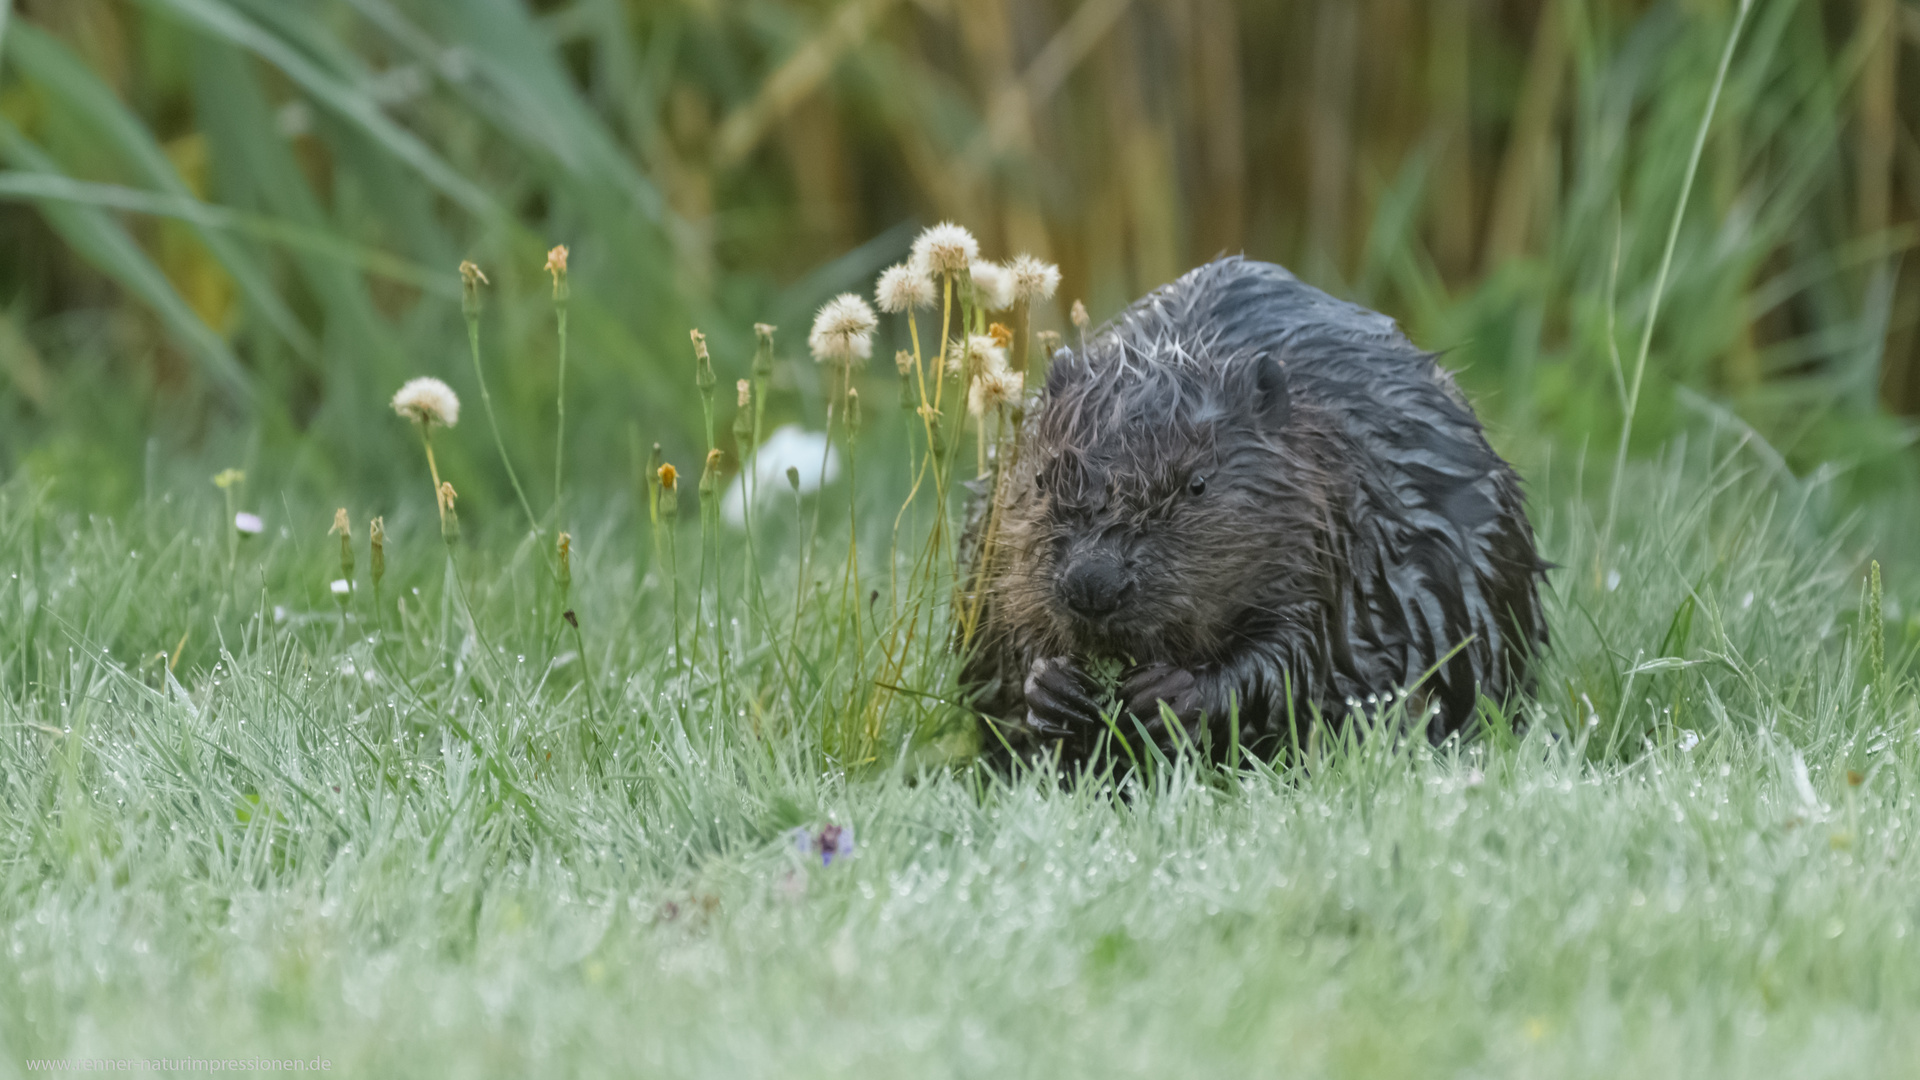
(1093, 585)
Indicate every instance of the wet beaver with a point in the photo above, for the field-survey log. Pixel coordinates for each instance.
(1245, 493)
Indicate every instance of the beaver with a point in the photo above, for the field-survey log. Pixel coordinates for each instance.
(1256, 503)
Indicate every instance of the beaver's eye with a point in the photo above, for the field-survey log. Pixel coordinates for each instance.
(1197, 485)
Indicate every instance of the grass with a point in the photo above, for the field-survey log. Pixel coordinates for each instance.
(395, 847)
(248, 212)
(441, 828)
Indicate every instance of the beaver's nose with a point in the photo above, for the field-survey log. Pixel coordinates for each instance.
(1092, 586)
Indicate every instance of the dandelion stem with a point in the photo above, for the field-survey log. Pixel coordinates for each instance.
(592, 742)
(560, 407)
(493, 421)
(800, 586)
(673, 575)
(233, 540)
(946, 318)
(433, 468)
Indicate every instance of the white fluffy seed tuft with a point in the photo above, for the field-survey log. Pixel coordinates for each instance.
(992, 286)
(843, 331)
(994, 384)
(904, 287)
(945, 248)
(985, 353)
(1033, 280)
(428, 401)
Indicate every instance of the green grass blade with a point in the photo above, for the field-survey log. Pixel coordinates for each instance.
(531, 97)
(105, 244)
(1631, 406)
(344, 99)
(88, 103)
(45, 187)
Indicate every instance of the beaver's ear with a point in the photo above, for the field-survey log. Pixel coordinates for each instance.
(1273, 400)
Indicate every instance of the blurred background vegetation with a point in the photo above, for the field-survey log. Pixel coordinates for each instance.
(229, 227)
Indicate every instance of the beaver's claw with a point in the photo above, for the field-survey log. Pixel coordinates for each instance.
(1143, 689)
(1060, 699)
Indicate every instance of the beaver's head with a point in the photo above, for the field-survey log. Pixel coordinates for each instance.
(1160, 507)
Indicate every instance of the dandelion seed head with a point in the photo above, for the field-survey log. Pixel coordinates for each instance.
(1032, 279)
(427, 400)
(945, 248)
(985, 352)
(993, 384)
(992, 286)
(843, 331)
(993, 390)
(903, 287)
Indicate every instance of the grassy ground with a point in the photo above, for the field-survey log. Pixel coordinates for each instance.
(414, 849)
(435, 832)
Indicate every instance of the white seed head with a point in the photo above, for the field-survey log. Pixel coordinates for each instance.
(904, 286)
(1032, 279)
(945, 248)
(994, 389)
(992, 286)
(429, 401)
(843, 331)
(987, 355)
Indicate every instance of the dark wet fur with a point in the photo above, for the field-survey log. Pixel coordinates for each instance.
(1354, 526)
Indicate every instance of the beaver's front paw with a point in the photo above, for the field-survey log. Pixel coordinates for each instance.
(1143, 689)
(1062, 699)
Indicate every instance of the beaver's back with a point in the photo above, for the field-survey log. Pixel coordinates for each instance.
(1436, 550)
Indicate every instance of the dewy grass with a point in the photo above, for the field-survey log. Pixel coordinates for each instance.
(420, 849)
(414, 861)
(1691, 842)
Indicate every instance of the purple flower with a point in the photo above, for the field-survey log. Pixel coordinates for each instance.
(830, 843)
